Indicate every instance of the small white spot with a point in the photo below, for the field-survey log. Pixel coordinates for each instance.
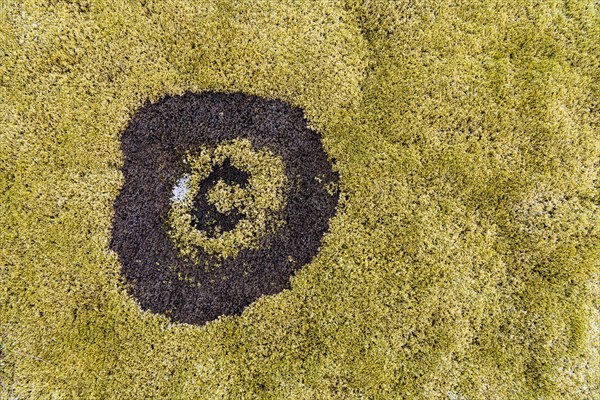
(181, 188)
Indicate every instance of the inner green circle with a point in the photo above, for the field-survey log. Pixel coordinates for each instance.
(259, 201)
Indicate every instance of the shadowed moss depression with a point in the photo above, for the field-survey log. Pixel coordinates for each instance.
(462, 260)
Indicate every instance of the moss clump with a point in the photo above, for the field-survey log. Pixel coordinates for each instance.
(463, 262)
(259, 202)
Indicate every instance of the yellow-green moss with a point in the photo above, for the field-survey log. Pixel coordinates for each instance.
(259, 202)
(463, 262)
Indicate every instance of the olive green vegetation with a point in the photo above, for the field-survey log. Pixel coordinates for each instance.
(463, 262)
(259, 202)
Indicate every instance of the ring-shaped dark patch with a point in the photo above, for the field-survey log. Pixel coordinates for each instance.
(206, 216)
(154, 145)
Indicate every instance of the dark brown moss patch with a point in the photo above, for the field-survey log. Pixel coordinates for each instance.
(197, 290)
(206, 216)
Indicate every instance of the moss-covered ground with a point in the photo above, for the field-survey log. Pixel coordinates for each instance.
(463, 261)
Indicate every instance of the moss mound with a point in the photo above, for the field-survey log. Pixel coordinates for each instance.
(463, 258)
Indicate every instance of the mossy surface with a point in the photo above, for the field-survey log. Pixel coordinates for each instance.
(463, 261)
(261, 198)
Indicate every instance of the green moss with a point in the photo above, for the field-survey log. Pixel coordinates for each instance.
(259, 202)
(463, 261)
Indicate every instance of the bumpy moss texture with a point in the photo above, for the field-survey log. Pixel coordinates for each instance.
(264, 195)
(463, 260)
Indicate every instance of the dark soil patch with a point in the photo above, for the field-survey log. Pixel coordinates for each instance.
(206, 216)
(154, 145)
